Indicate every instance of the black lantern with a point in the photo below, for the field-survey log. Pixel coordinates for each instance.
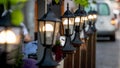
(93, 17)
(84, 26)
(48, 29)
(9, 34)
(79, 20)
(10, 38)
(68, 27)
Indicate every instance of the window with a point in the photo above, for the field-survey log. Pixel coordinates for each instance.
(103, 9)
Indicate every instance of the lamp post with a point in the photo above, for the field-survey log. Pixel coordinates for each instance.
(94, 14)
(48, 27)
(68, 49)
(10, 38)
(79, 16)
(90, 33)
(84, 38)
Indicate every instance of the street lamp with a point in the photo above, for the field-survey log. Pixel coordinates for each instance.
(77, 42)
(79, 20)
(68, 27)
(10, 37)
(48, 27)
(93, 15)
(85, 20)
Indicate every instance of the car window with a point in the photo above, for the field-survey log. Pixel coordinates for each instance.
(103, 9)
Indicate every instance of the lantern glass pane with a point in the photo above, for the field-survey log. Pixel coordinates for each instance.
(46, 31)
(68, 24)
(86, 18)
(82, 19)
(77, 20)
(90, 17)
(95, 16)
(10, 35)
(56, 35)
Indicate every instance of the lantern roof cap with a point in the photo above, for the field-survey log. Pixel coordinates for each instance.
(5, 20)
(92, 11)
(49, 16)
(80, 11)
(68, 13)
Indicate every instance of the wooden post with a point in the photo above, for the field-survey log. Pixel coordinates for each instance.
(94, 51)
(84, 54)
(62, 7)
(62, 12)
(89, 48)
(69, 59)
(77, 56)
(77, 43)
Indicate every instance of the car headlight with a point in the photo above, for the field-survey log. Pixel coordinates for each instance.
(113, 21)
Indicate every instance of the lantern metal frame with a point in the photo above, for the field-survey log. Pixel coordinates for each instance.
(47, 59)
(78, 13)
(68, 44)
(86, 37)
(94, 13)
(6, 24)
(90, 22)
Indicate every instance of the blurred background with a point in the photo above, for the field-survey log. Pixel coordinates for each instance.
(107, 24)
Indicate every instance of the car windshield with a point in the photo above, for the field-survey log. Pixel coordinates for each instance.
(103, 9)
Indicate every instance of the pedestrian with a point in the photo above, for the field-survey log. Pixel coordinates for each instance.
(29, 50)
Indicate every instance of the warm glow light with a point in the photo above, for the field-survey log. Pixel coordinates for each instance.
(8, 37)
(86, 19)
(48, 27)
(65, 22)
(2, 37)
(49, 30)
(77, 19)
(95, 16)
(90, 17)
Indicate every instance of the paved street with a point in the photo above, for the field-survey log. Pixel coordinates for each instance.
(108, 53)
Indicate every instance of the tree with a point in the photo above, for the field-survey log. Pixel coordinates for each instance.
(16, 6)
(81, 2)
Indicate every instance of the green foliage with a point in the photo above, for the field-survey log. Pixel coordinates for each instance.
(81, 2)
(12, 2)
(3, 1)
(16, 6)
(57, 42)
(57, 1)
(17, 17)
(19, 62)
(19, 59)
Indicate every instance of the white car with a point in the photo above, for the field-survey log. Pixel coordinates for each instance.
(105, 23)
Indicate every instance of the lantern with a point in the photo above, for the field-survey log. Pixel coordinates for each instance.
(10, 38)
(48, 30)
(68, 28)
